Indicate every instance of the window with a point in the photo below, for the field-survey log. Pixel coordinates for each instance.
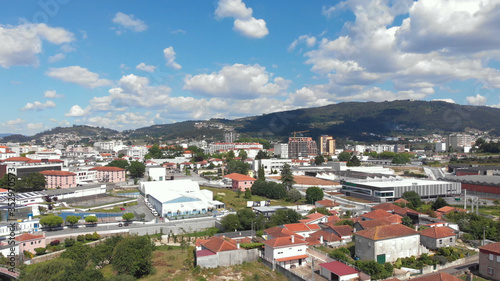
(491, 257)
(451, 239)
(490, 270)
(440, 241)
(498, 258)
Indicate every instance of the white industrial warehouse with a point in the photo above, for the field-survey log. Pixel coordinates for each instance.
(179, 198)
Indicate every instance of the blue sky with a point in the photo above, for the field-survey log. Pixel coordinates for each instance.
(130, 64)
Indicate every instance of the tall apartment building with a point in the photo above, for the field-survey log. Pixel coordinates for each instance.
(459, 141)
(326, 145)
(230, 136)
(281, 150)
(301, 147)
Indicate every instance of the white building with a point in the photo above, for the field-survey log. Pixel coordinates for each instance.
(281, 150)
(271, 164)
(441, 147)
(156, 173)
(178, 197)
(84, 175)
(286, 251)
(20, 227)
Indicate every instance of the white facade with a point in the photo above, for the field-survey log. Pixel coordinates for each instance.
(387, 249)
(281, 149)
(29, 226)
(156, 173)
(286, 253)
(441, 147)
(271, 164)
(84, 175)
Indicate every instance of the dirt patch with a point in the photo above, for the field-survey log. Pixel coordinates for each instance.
(305, 180)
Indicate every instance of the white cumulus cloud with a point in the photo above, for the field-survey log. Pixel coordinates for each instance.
(244, 22)
(52, 95)
(38, 105)
(129, 22)
(56, 58)
(78, 75)
(169, 54)
(20, 45)
(144, 67)
(476, 100)
(76, 111)
(238, 81)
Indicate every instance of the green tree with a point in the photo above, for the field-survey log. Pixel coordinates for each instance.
(231, 222)
(294, 195)
(102, 254)
(80, 253)
(155, 152)
(321, 210)
(413, 198)
(314, 194)
(401, 158)
(318, 160)
(9, 181)
(51, 221)
(246, 217)
(32, 182)
(355, 161)
(133, 255)
(248, 194)
(120, 155)
(136, 169)
(230, 155)
(344, 156)
(72, 220)
(406, 220)
(438, 203)
(119, 163)
(261, 173)
(345, 222)
(287, 177)
(91, 219)
(242, 154)
(128, 216)
(69, 242)
(236, 166)
(284, 216)
(374, 269)
(261, 155)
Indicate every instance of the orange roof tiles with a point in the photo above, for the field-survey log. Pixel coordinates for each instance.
(378, 222)
(377, 214)
(493, 248)
(447, 209)
(220, 244)
(327, 236)
(293, 258)
(327, 203)
(401, 201)
(285, 241)
(438, 232)
(27, 237)
(343, 230)
(297, 227)
(239, 177)
(386, 232)
(107, 168)
(280, 232)
(17, 159)
(388, 207)
(57, 173)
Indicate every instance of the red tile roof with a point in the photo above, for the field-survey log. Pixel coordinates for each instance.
(338, 268)
(389, 207)
(280, 232)
(438, 232)
(401, 201)
(377, 214)
(447, 209)
(57, 173)
(297, 227)
(27, 237)
(312, 241)
(327, 203)
(17, 159)
(440, 276)
(107, 168)
(378, 222)
(327, 236)
(343, 230)
(220, 244)
(239, 177)
(493, 248)
(204, 253)
(333, 219)
(284, 241)
(386, 232)
(313, 226)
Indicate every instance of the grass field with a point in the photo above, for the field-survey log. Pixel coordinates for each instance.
(171, 264)
(230, 198)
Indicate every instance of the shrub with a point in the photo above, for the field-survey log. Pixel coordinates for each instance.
(80, 238)
(88, 237)
(55, 242)
(40, 251)
(95, 236)
(249, 246)
(68, 242)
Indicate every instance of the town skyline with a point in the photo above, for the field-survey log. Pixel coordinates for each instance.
(126, 65)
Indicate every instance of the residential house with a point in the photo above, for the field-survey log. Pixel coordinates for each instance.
(59, 179)
(438, 237)
(287, 252)
(315, 218)
(109, 174)
(448, 209)
(439, 276)
(337, 271)
(29, 242)
(276, 232)
(489, 261)
(323, 237)
(156, 173)
(387, 243)
(362, 225)
(376, 214)
(241, 182)
(302, 229)
(345, 232)
(328, 204)
(222, 251)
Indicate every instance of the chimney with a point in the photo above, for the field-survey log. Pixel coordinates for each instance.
(321, 239)
(293, 239)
